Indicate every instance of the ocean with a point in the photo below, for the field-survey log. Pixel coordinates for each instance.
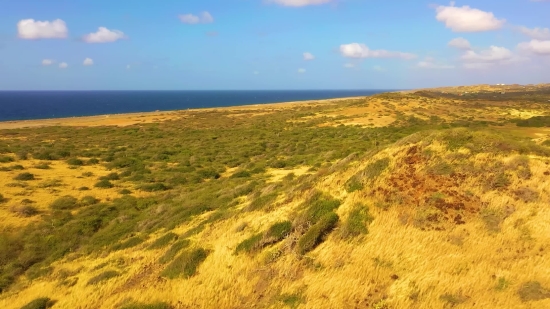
(25, 105)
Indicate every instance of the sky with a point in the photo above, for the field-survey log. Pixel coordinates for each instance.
(271, 44)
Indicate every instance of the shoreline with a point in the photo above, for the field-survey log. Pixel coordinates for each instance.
(126, 119)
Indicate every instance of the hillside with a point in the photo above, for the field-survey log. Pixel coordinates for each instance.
(420, 199)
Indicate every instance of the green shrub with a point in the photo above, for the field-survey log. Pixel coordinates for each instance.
(104, 184)
(250, 244)
(278, 231)
(185, 264)
(314, 236)
(163, 241)
(129, 243)
(89, 200)
(319, 206)
(83, 189)
(154, 187)
(66, 202)
(278, 164)
(357, 222)
(43, 166)
(39, 303)
(104, 276)
(353, 184)
(125, 192)
(6, 159)
(92, 161)
(376, 168)
(2, 198)
(75, 162)
(262, 201)
(24, 177)
(18, 167)
(174, 249)
(25, 210)
(147, 306)
(110, 176)
(241, 174)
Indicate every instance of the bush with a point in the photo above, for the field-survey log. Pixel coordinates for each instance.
(111, 176)
(24, 177)
(154, 187)
(353, 184)
(314, 236)
(18, 167)
(25, 210)
(533, 291)
(2, 198)
(262, 201)
(147, 306)
(185, 264)
(43, 166)
(6, 159)
(89, 200)
(125, 192)
(129, 243)
(278, 231)
(104, 276)
(66, 202)
(174, 249)
(163, 241)
(104, 184)
(319, 206)
(92, 161)
(250, 244)
(39, 303)
(357, 222)
(375, 169)
(75, 162)
(241, 174)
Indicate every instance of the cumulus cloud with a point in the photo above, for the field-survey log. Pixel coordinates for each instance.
(467, 19)
(356, 50)
(104, 35)
(46, 62)
(31, 29)
(536, 33)
(492, 56)
(430, 63)
(190, 19)
(536, 47)
(308, 56)
(301, 70)
(460, 43)
(88, 61)
(298, 3)
(63, 65)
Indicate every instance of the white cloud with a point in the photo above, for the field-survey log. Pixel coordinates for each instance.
(460, 43)
(88, 61)
(467, 19)
(47, 62)
(356, 50)
(308, 56)
(63, 65)
(204, 18)
(536, 47)
(430, 63)
(104, 35)
(33, 29)
(298, 3)
(494, 53)
(301, 70)
(536, 33)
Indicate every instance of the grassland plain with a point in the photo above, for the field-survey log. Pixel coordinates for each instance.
(422, 199)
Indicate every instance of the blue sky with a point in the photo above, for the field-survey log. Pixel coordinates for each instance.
(262, 44)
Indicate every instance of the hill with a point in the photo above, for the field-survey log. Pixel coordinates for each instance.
(420, 199)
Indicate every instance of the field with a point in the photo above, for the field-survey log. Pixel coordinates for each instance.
(435, 198)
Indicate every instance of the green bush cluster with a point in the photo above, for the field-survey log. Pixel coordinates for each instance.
(39, 303)
(186, 264)
(104, 276)
(314, 236)
(357, 222)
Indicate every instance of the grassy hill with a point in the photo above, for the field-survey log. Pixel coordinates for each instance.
(425, 199)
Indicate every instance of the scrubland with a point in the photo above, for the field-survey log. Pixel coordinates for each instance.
(425, 199)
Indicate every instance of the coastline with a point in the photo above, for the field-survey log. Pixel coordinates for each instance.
(127, 119)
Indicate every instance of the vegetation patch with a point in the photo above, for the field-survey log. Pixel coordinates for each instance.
(315, 235)
(104, 276)
(159, 305)
(533, 291)
(39, 303)
(353, 184)
(163, 241)
(174, 250)
(64, 203)
(24, 177)
(104, 184)
(262, 201)
(129, 243)
(186, 264)
(357, 222)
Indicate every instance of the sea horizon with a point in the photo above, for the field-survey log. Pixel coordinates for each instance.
(18, 105)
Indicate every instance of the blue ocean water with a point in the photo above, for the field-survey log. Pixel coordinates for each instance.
(23, 105)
